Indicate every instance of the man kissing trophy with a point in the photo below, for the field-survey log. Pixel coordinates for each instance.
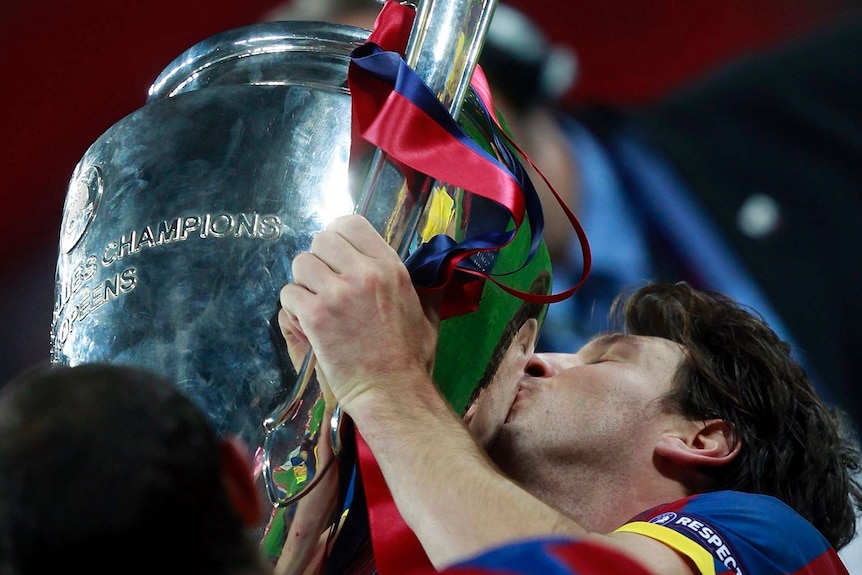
(181, 222)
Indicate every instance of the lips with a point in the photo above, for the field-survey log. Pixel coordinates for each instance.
(519, 395)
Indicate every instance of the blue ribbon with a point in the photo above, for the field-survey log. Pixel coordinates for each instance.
(429, 262)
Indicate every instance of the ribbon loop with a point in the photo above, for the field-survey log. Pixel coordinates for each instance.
(396, 112)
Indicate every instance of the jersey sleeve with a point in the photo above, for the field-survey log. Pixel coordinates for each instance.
(549, 557)
(739, 533)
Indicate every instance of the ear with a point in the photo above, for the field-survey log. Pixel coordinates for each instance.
(238, 478)
(699, 443)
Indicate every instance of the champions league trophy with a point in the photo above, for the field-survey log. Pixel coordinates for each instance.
(181, 222)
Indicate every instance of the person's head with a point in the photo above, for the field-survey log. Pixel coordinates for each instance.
(695, 394)
(110, 469)
(736, 369)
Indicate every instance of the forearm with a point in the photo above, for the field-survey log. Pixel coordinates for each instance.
(449, 493)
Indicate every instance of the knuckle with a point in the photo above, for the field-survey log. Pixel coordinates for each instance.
(316, 242)
(343, 222)
(301, 260)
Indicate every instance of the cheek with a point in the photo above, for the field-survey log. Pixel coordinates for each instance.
(589, 425)
(485, 416)
(492, 406)
(592, 403)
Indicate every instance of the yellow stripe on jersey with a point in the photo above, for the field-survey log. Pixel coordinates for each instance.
(676, 541)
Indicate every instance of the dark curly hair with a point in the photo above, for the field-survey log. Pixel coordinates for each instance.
(793, 446)
(107, 467)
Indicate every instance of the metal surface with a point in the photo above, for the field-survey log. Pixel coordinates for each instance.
(182, 219)
(445, 63)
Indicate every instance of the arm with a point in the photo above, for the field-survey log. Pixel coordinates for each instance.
(352, 300)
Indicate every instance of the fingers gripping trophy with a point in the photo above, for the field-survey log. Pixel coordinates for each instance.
(181, 222)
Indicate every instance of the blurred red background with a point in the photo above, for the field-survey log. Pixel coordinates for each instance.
(72, 69)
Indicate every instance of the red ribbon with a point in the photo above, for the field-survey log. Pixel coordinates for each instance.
(396, 113)
(379, 113)
(396, 548)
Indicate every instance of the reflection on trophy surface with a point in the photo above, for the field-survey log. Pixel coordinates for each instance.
(182, 219)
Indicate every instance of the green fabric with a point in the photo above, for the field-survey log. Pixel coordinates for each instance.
(467, 342)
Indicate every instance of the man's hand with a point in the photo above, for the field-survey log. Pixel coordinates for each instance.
(352, 300)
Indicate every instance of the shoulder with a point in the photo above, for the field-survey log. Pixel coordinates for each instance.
(555, 556)
(746, 532)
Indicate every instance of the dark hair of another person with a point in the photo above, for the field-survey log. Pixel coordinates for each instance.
(793, 446)
(107, 469)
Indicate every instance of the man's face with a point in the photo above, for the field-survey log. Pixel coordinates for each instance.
(489, 410)
(598, 404)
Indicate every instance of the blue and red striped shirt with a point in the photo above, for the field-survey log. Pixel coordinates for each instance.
(722, 533)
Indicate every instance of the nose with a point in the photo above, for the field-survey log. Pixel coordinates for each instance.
(538, 366)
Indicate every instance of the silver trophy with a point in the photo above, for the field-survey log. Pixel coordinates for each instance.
(181, 222)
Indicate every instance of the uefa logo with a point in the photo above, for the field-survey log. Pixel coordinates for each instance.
(81, 203)
(664, 518)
